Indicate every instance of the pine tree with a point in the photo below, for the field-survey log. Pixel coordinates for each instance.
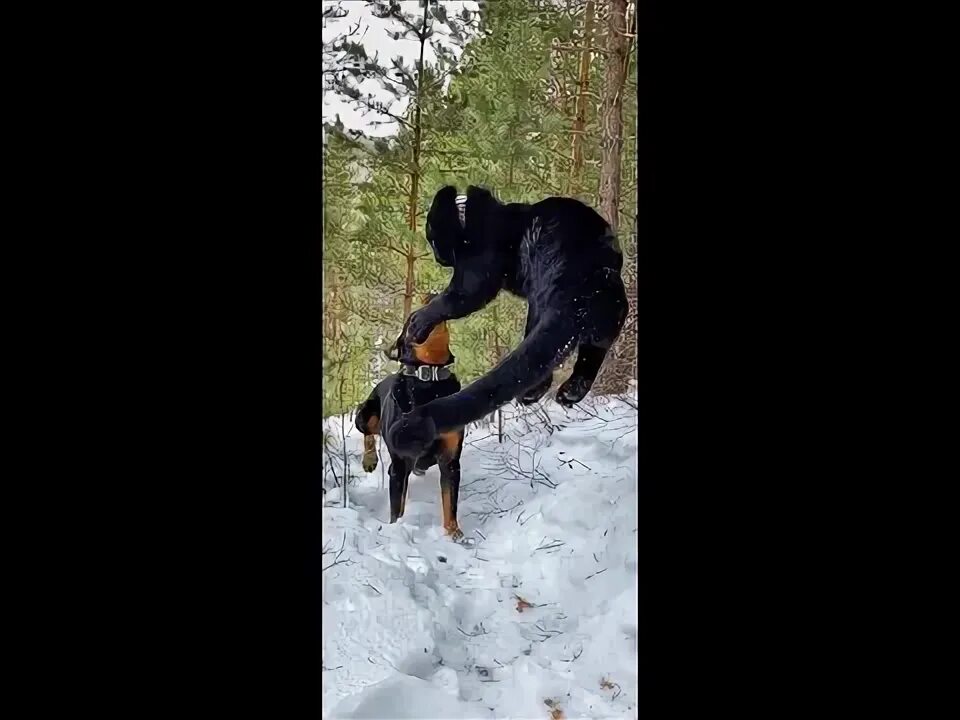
(408, 87)
(620, 365)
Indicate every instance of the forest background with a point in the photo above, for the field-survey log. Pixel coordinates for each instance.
(529, 98)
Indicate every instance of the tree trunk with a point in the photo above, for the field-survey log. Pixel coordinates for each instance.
(414, 177)
(620, 365)
(331, 315)
(408, 288)
(583, 84)
(612, 112)
(343, 440)
(496, 359)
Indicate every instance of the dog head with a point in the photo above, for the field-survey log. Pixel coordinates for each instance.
(435, 350)
(455, 221)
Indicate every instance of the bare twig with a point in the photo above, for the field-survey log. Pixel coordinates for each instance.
(336, 559)
(565, 461)
(482, 631)
(610, 685)
(554, 544)
(332, 471)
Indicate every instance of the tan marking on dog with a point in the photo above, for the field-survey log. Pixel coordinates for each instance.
(449, 441)
(370, 459)
(450, 525)
(435, 350)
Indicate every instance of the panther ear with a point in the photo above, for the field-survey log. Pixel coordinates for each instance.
(444, 233)
(444, 196)
(479, 195)
(480, 204)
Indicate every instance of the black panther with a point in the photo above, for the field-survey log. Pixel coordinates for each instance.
(562, 257)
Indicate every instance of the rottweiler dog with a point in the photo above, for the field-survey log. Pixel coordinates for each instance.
(560, 255)
(424, 376)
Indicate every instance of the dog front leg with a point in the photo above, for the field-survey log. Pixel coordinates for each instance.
(399, 475)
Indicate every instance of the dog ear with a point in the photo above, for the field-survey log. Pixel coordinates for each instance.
(444, 233)
(396, 350)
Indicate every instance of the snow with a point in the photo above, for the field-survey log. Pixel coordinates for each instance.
(538, 614)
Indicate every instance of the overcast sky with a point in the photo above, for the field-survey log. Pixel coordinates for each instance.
(375, 39)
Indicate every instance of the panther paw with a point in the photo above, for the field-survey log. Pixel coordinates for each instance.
(419, 327)
(572, 391)
(412, 434)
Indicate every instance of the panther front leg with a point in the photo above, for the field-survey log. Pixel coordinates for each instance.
(537, 391)
(462, 298)
(576, 387)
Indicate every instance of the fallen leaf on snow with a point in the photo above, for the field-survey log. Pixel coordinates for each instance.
(556, 713)
(522, 604)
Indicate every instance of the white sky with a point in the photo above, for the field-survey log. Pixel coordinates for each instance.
(375, 39)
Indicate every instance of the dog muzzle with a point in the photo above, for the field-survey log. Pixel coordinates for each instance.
(462, 209)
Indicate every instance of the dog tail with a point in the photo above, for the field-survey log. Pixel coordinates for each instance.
(548, 343)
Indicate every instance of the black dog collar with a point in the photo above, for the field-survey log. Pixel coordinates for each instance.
(426, 373)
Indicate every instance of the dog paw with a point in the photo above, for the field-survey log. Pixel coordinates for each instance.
(422, 465)
(454, 532)
(572, 391)
(369, 462)
(412, 435)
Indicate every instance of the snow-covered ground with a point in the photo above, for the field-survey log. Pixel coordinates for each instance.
(535, 619)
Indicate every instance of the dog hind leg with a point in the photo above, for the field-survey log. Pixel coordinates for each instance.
(399, 475)
(449, 461)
